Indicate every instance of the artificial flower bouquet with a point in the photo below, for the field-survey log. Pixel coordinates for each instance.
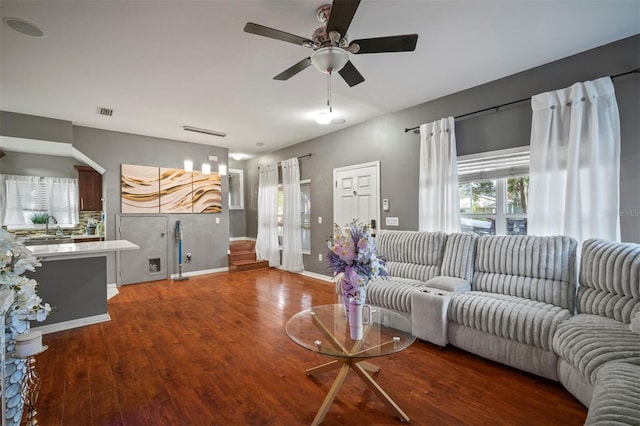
(354, 260)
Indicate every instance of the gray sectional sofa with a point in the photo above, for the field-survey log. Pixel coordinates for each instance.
(516, 300)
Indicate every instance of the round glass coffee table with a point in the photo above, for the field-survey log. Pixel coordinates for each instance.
(324, 329)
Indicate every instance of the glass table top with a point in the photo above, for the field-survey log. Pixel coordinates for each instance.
(324, 329)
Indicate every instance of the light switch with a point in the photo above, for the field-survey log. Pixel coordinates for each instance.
(385, 204)
(392, 221)
(319, 219)
(217, 220)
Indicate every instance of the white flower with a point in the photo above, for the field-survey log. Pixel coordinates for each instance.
(15, 259)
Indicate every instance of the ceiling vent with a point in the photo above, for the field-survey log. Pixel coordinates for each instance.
(105, 111)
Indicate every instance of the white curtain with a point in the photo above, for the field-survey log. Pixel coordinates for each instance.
(267, 238)
(438, 198)
(62, 199)
(292, 222)
(21, 199)
(574, 186)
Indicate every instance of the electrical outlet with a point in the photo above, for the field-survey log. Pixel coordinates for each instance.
(320, 257)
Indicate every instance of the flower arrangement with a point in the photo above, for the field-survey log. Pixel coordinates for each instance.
(15, 259)
(353, 259)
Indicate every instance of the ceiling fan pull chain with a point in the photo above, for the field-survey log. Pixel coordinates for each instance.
(329, 91)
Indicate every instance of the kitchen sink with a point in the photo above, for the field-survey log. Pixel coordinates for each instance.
(46, 239)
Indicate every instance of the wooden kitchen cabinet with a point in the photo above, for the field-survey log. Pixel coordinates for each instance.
(90, 188)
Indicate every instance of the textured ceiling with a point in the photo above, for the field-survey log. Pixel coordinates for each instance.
(164, 64)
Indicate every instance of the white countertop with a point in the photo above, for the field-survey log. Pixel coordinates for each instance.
(88, 249)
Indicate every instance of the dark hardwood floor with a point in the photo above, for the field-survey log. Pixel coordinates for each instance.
(212, 351)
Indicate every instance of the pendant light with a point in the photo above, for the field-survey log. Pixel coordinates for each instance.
(206, 167)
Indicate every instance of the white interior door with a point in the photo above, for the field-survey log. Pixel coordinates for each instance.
(356, 194)
(151, 262)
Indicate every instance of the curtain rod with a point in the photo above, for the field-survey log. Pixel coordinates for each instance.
(637, 70)
(299, 158)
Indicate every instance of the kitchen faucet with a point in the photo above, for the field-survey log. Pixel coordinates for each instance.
(46, 226)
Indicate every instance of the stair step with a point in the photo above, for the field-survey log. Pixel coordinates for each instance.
(235, 256)
(246, 265)
(242, 246)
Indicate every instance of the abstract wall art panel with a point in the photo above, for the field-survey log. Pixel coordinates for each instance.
(176, 187)
(140, 188)
(207, 193)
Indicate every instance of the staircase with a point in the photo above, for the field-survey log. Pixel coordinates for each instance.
(242, 256)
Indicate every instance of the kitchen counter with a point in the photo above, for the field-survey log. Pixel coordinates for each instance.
(73, 280)
(76, 250)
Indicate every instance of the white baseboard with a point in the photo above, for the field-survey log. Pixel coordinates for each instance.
(68, 325)
(112, 290)
(310, 274)
(317, 276)
(203, 272)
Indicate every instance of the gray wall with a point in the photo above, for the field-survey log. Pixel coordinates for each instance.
(38, 128)
(20, 163)
(207, 241)
(384, 139)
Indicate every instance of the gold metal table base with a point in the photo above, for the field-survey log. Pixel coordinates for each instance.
(360, 367)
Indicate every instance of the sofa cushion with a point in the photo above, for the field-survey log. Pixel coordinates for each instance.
(449, 283)
(410, 254)
(536, 268)
(587, 342)
(515, 318)
(609, 279)
(458, 255)
(615, 396)
(394, 293)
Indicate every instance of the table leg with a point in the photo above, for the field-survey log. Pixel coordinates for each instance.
(332, 365)
(372, 368)
(326, 404)
(375, 387)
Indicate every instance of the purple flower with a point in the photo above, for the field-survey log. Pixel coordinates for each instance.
(353, 252)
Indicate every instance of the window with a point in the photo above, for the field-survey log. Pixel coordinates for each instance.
(305, 211)
(494, 192)
(29, 196)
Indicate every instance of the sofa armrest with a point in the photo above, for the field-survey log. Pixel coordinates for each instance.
(445, 283)
(429, 315)
(635, 323)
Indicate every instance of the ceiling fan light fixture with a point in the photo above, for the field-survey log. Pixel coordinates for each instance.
(329, 59)
(324, 117)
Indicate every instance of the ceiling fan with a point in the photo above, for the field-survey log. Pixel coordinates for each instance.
(330, 44)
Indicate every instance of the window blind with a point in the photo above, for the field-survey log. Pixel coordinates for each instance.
(494, 164)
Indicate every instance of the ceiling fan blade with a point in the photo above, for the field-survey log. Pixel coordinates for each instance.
(261, 30)
(291, 71)
(399, 43)
(351, 75)
(342, 12)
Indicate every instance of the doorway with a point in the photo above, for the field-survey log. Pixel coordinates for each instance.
(356, 194)
(150, 263)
